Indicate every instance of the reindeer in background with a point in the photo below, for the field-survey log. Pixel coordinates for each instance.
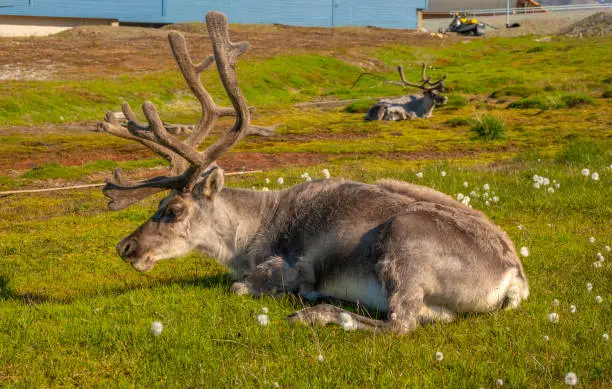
(408, 250)
(410, 106)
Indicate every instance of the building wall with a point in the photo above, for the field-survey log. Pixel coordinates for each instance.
(396, 14)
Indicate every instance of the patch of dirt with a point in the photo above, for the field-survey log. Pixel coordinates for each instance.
(599, 24)
(98, 51)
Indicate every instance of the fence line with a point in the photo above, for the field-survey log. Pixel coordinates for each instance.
(530, 10)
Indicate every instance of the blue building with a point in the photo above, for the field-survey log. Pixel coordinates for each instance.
(393, 14)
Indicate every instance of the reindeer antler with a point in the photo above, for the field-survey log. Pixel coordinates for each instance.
(425, 84)
(186, 163)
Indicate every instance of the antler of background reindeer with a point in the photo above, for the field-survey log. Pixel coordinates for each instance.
(186, 163)
(424, 85)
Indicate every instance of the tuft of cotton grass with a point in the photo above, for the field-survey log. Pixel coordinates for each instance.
(443, 173)
(465, 184)
(555, 303)
(419, 175)
(571, 379)
(585, 172)
(156, 328)
(595, 176)
(263, 319)
(550, 189)
(320, 358)
(280, 180)
(607, 248)
(346, 322)
(495, 199)
(600, 256)
(264, 189)
(537, 185)
(592, 239)
(597, 264)
(326, 173)
(553, 317)
(264, 310)
(486, 187)
(598, 299)
(439, 356)
(524, 251)
(572, 308)
(267, 180)
(589, 286)
(460, 196)
(546, 338)
(605, 337)
(466, 200)
(499, 382)
(487, 202)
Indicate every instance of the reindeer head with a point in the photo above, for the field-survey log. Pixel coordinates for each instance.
(431, 90)
(194, 179)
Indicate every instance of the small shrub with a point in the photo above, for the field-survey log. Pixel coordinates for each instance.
(458, 122)
(537, 49)
(488, 127)
(515, 90)
(576, 100)
(538, 102)
(361, 106)
(607, 94)
(585, 153)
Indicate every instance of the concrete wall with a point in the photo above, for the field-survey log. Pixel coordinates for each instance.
(37, 26)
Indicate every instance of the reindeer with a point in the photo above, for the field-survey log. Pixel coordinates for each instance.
(396, 247)
(410, 106)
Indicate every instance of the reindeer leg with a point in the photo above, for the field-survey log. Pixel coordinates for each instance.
(269, 277)
(324, 314)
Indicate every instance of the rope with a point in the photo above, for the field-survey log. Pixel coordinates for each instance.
(12, 192)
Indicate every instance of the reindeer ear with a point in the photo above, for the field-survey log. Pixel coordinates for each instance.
(211, 184)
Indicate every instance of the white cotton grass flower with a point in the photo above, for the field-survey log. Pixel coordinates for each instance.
(555, 303)
(263, 319)
(419, 175)
(443, 173)
(571, 379)
(276, 385)
(439, 356)
(550, 189)
(346, 322)
(487, 202)
(553, 317)
(264, 189)
(460, 196)
(267, 180)
(536, 185)
(605, 337)
(597, 264)
(320, 358)
(264, 310)
(546, 338)
(486, 187)
(589, 286)
(585, 172)
(156, 328)
(592, 239)
(465, 184)
(524, 251)
(326, 173)
(549, 225)
(520, 227)
(595, 176)
(466, 200)
(607, 248)
(499, 382)
(280, 180)
(557, 185)
(600, 256)
(572, 308)
(305, 176)
(598, 299)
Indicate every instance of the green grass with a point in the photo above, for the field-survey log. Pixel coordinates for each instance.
(487, 127)
(73, 314)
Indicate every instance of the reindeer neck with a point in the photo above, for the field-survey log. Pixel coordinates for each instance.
(239, 214)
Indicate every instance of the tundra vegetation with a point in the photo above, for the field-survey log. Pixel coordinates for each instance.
(72, 313)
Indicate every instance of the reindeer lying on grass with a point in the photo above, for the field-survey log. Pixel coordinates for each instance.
(392, 246)
(410, 106)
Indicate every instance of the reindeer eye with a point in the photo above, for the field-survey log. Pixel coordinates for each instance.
(173, 211)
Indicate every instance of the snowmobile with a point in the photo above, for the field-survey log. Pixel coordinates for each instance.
(463, 25)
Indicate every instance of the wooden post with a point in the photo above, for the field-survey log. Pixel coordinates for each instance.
(419, 19)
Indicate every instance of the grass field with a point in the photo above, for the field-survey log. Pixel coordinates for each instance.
(73, 314)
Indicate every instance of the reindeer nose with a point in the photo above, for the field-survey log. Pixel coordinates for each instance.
(127, 248)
